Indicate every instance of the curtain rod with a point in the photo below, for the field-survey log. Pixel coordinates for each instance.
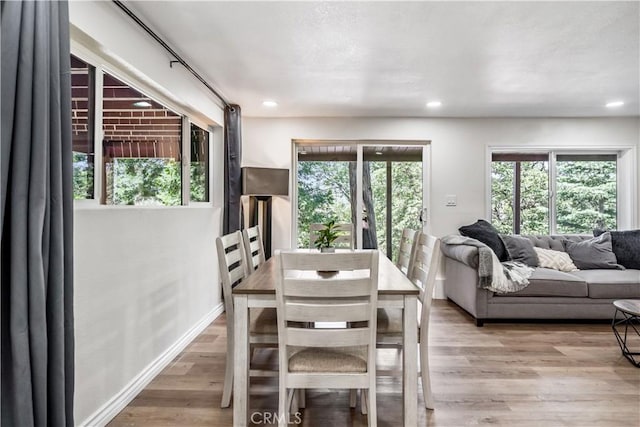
(170, 50)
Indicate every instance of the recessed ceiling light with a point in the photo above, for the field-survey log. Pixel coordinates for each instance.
(302, 152)
(270, 103)
(142, 104)
(434, 104)
(379, 153)
(614, 104)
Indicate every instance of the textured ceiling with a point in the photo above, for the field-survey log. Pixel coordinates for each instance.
(481, 59)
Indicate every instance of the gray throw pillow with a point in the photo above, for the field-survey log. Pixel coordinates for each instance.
(520, 249)
(593, 253)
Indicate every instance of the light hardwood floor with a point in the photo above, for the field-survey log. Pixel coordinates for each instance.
(507, 374)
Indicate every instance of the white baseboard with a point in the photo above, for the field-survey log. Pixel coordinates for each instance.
(117, 403)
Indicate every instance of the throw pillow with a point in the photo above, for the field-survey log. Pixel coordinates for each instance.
(557, 260)
(593, 253)
(520, 249)
(485, 232)
(626, 247)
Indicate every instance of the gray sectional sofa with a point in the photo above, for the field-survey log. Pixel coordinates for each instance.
(551, 294)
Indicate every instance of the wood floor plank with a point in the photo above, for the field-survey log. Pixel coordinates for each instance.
(503, 374)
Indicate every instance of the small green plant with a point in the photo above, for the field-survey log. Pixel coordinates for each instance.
(327, 235)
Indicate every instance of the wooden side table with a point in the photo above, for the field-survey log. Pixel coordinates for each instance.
(627, 324)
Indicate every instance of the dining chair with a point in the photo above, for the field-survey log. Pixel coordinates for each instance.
(253, 247)
(263, 327)
(405, 249)
(345, 240)
(425, 259)
(314, 287)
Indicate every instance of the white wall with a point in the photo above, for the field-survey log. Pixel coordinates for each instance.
(458, 152)
(144, 277)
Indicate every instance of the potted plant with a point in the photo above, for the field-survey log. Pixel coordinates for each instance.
(326, 237)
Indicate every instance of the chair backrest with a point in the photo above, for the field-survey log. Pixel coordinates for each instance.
(344, 240)
(253, 247)
(423, 269)
(349, 293)
(405, 249)
(232, 265)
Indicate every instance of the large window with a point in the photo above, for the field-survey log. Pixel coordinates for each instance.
(141, 148)
(82, 126)
(141, 158)
(547, 192)
(391, 196)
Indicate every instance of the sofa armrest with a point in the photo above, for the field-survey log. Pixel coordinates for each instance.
(465, 254)
(461, 287)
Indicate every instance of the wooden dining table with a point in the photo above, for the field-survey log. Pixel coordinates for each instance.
(395, 290)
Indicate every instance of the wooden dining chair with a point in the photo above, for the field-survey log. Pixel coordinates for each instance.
(335, 357)
(345, 240)
(423, 267)
(263, 330)
(405, 249)
(253, 247)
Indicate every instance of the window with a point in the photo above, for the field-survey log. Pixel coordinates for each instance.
(140, 157)
(578, 196)
(141, 149)
(82, 126)
(199, 171)
(586, 192)
(520, 193)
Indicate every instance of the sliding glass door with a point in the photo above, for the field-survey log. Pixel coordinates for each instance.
(379, 187)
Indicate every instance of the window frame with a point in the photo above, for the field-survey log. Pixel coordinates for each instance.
(626, 178)
(101, 66)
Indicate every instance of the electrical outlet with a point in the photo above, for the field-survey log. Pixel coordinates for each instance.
(451, 200)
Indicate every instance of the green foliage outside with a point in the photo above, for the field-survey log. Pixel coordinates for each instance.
(82, 176)
(406, 200)
(323, 193)
(150, 181)
(586, 196)
(198, 183)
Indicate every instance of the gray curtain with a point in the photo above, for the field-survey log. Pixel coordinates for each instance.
(232, 171)
(37, 216)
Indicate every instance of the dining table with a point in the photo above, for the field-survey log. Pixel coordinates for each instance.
(395, 291)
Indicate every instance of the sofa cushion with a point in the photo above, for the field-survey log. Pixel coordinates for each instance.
(555, 242)
(595, 253)
(557, 260)
(486, 233)
(552, 283)
(520, 249)
(611, 283)
(626, 247)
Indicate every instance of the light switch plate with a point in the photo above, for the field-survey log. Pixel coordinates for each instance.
(451, 200)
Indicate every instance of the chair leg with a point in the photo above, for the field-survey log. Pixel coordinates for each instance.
(364, 402)
(424, 373)
(372, 418)
(292, 401)
(228, 374)
(282, 405)
(353, 398)
(302, 398)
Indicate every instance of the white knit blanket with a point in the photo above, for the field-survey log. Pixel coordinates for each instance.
(502, 278)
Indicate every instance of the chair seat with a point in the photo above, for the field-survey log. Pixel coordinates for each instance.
(332, 359)
(263, 321)
(389, 321)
